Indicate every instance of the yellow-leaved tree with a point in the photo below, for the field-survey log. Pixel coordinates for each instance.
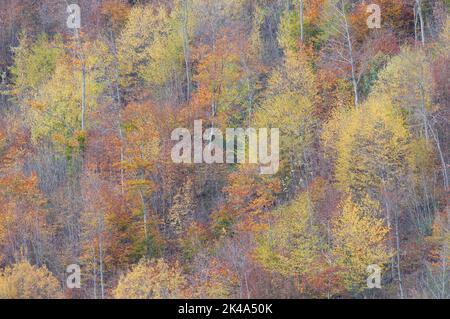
(291, 244)
(152, 47)
(25, 281)
(373, 155)
(289, 106)
(48, 79)
(359, 240)
(34, 64)
(408, 82)
(152, 280)
(59, 117)
(372, 149)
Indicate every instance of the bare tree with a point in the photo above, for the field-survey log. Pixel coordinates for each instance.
(340, 39)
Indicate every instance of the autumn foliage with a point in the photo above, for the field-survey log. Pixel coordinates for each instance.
(87, 178)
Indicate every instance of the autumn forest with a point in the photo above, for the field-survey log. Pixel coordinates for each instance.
(93, 206)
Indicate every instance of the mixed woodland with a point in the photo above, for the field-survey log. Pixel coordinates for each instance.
(86, 175)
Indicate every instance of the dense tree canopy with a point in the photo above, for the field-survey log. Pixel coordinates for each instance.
(87, 177)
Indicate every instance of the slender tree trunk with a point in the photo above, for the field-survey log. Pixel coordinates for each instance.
(429, 129)
(83, 98)
(415, 25)
(95, 274)
(100, 231)
(118, 99)
(186, 49)
(388, 222)
(442, 159)
(352, 63)
(122, 156)
(420, 13)
(301, 22)
(102, 286)
(83, 74)
(145, 212)
(83, 79)
(350, 52)
(397, 241)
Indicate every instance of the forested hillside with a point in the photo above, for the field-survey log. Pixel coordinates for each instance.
(87, 176)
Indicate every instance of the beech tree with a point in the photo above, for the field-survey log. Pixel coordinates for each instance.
(292, 243)
(152, 280)
(86, 169)
(24, 281)
(359, 240)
